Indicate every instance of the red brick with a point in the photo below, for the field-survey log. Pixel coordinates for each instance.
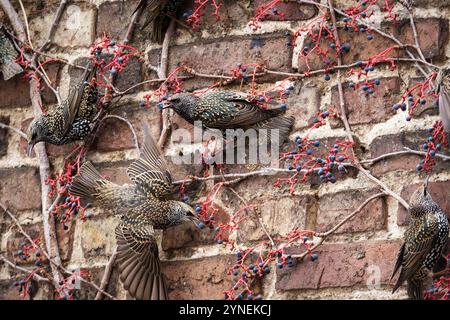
(16, 91)
(368, 108)
(186, 277)
(3, 137)
(20, 188)
(333, 208)
(279, 215)
(440, 192)
(433, 35)
(291, 10)
(119, 13)
(95, 275)
(340, 265)
(397, 142)
(430, 107)
(116, 135)
(220, 56)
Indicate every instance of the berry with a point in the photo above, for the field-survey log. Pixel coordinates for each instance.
(377, 82)
(438, 147)
(425, 146)
(403, 106)
(266, 269)
(198, 209)
(314, 257)
(419, 168)
(327, 77)
(201, 225)
(250, 297)
(396, 106)
(219, 241)
(432, 153)
(341, 168)
(113, 71)
(259, 297)
(333, 179)
(370, 37)
(341, 158)
(279, 265)
(299, 168)
(283, 106)
(316, 143)
(142, 104)
(423, 101)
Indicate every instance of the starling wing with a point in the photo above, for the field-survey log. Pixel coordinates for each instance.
(139, 265)
(155, 16)
(149, 172)
(413, 254)
(76, 96)
(444, 108)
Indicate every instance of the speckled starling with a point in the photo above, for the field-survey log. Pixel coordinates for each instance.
(158, 12)
(229, 110)
(142, 207)
(424, 242)
(8, 56)
(70, 121)
(443, 91)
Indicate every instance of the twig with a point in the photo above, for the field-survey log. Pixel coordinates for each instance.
(54, 26)
(18, 131)
(162, 74)
(25, 19)
(14, 19)
(106, 275)
(128, 123)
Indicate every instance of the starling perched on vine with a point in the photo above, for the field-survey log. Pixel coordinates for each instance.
(424, 242)
(229, 110)
(142, 207)
(8, 55)
(443, 91)
(70, 121)
(159, 13)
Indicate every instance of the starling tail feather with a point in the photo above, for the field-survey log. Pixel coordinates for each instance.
(443, 90)
(424, 242)
(142, 207)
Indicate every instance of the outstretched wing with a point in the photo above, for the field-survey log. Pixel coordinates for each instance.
(232, 110)
(149, 172)
(75, 97)
(139, 265)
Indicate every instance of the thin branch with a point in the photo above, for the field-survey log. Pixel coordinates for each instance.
(106, 275)
(54, 26)
(18, 131)
(25, 19)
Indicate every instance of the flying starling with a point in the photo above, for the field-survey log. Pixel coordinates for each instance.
(70, 121)
(142, 207)
(424, 242)
(229, 110)
(159, 13)
(443, 91)
(8, 55)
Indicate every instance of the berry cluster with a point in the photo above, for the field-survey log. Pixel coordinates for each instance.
(25, 252)
(194, 17)
(435, 141)
(263, 12)
(68, 285)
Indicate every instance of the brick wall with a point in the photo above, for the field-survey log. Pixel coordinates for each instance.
(194, 264)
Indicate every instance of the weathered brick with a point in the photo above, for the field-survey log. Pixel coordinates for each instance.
(429, 108)
(333, 208)
(290, 9)
(368, 108)
(3, 137)
(116, 135)
(97, 236)
(220, 56)
(16, 91)
(433, 35)
(304, 103)
(95, 275)
(19, 188)
(185, 278)
(117, 12)
(398, 142)
(341, 265)
(440, 192)
(279, 216)
(17, 240)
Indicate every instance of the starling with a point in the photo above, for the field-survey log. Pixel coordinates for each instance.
(159, 14)
(229, 110)
(424, 242)
(443, 91)
(70, 121)
(142, 207)
(8, 55)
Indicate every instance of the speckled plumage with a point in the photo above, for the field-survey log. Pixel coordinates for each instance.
(424, 242)
(142, 207)
(71, 120)
(229, 110)
(158, 12)
(8, 67)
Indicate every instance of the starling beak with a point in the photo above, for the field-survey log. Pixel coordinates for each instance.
(424, 242)
(142, 207)
(30, 147)
(70, 121)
